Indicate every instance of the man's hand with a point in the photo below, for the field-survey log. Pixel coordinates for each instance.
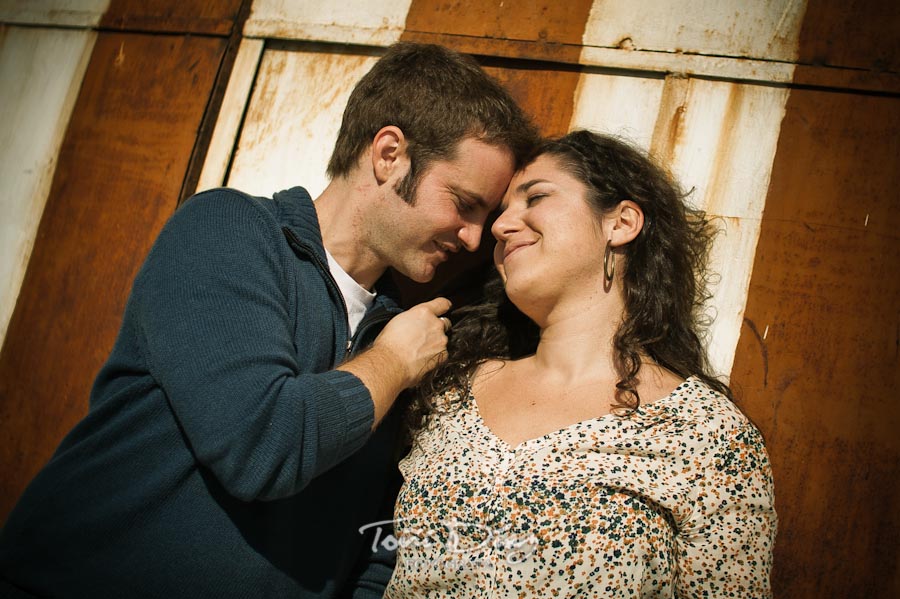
(417, 338)
(410, 345)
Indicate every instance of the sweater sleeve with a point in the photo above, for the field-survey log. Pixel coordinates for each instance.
(213, 309)
(725, 547)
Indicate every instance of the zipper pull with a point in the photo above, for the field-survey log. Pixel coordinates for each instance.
(349, 344)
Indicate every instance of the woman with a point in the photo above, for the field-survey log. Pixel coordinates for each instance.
(576, 444)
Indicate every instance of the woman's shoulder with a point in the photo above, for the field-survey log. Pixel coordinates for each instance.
(696, 397)
(710, 415)
(718, 417)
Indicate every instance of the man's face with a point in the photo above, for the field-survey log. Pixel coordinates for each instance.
(452, 201)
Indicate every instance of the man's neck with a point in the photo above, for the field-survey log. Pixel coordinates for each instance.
(341, 212)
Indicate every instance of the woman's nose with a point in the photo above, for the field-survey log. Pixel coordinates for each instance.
(505, 224)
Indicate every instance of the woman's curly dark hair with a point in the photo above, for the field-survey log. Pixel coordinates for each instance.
(664, 278)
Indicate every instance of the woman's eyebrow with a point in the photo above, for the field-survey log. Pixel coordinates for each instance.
(529, 184)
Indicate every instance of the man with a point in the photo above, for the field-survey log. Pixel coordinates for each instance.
(227, 451)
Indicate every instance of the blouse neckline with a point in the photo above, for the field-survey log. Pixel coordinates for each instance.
(602, 422)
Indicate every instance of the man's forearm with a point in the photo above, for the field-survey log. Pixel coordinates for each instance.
(383, 374)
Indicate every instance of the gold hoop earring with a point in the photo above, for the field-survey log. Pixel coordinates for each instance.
(607, 271)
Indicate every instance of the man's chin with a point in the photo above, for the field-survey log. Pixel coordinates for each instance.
(422, 278)
(420, 275)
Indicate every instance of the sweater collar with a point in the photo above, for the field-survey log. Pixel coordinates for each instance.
(296, 211)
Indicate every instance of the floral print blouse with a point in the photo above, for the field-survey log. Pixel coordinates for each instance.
(675, 500)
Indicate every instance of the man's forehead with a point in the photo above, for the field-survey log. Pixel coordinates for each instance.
(479, 172)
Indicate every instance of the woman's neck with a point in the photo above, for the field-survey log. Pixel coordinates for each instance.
(577, 340)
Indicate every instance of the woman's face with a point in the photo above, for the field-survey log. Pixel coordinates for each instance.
(549, 241)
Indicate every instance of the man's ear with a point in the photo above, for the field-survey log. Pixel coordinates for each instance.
(627, 221)
(388, 153)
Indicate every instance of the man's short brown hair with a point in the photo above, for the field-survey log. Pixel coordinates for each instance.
(437, 97)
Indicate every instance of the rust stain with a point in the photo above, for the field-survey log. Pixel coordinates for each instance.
(342, 71)
(330, 78)
(669, 128)
(120, 56)
(675, 129)
(723, 161)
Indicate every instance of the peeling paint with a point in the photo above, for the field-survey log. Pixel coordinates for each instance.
(626, 43)
(764, 29)
(42, 69)
(370, 22)
(731, 261)
(65, 13)
(620, 105)
(293, 119)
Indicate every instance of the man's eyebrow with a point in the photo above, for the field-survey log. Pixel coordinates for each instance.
(529, 184)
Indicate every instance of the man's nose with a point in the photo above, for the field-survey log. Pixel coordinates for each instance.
(470, 236)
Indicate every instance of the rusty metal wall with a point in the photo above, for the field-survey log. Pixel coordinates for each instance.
(779, 114)
(818, 359)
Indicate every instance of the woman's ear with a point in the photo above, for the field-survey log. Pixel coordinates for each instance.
(628, 220)
(388, 153)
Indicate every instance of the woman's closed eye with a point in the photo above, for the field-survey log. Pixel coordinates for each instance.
(534, 198)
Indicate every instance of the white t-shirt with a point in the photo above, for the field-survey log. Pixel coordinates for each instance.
(357, 298)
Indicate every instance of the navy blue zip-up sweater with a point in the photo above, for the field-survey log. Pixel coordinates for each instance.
(220, 454)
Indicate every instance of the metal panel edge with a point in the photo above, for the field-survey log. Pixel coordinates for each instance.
(237, 95)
